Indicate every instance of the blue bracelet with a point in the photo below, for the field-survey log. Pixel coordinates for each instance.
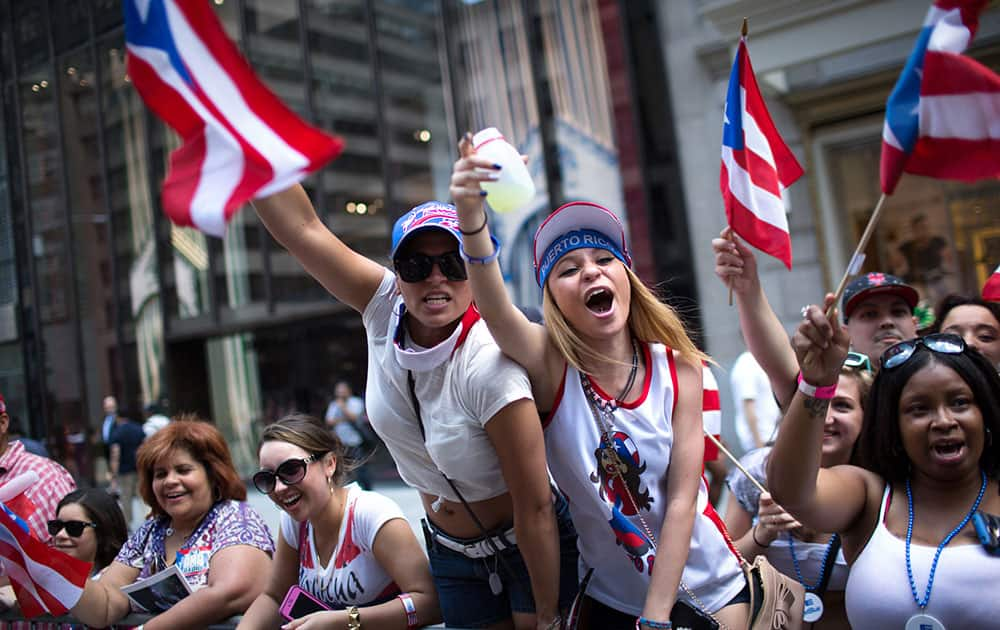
(658, 625)
(472, 260)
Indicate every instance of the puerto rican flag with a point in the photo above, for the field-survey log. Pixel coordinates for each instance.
(45, 580)
(239, 140)
(991, 290)
(711, 412)
(943, 117)
(756, 165)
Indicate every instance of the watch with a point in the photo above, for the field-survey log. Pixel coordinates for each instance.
(353, 618)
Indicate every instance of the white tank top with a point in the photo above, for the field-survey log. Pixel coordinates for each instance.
(611, 535)
(878, 590)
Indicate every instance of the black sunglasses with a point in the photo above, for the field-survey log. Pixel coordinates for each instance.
(945, 343)
(73, 528)
(290, 471)
(417, 267)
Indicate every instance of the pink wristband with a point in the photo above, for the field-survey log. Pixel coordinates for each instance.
(822, 393)
(411, 609)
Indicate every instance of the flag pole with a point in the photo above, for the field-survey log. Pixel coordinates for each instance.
(735, 461)
(862, 245)
(743, 34)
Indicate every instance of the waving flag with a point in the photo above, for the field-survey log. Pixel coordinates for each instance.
(943, 117)
(711, 412)
(240, 141)
(991, 290)
(45, 580)
(756, 165)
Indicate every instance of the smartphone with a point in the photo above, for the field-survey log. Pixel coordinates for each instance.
(684, 615)
(299, 603)
(987, 530)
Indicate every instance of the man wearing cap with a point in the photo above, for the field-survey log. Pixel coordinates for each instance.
(54, 481)
(878, 312)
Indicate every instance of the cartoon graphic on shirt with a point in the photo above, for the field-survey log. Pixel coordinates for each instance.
(618, 473)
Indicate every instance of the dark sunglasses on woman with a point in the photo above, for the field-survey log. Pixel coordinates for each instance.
(418, 267)
(290, 471)
(944, 343)
(73, 528)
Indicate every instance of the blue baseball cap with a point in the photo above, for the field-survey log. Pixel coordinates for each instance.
(428, 215)
(576, 225)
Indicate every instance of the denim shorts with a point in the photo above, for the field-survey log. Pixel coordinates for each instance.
(463, 586)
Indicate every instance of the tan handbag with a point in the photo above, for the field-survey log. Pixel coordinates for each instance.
(776, 600)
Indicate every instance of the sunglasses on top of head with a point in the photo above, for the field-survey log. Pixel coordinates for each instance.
(418, 267)
(73, 528)
(290, 472)
(944, 343)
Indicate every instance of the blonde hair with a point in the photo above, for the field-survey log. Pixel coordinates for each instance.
(649, 320)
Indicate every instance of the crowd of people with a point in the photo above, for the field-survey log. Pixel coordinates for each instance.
(560, 462)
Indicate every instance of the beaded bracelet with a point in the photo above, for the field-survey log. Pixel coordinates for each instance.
(472, 260)
(657, 625)
(826, 392)
(411, 609)
(753, 534)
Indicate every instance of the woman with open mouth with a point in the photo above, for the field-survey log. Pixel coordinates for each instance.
(350, 549)
(200, 523)
(928, 463)
(455, 414)
(621, 382)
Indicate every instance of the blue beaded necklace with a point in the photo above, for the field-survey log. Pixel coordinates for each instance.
(822, 569)
(944, 543)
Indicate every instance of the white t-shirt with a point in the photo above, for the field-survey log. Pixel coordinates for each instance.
(749, 382)
(459, 391)
(345, 429)
(353, 577)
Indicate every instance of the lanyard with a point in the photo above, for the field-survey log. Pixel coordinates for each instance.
(825, 570)
(922, 603)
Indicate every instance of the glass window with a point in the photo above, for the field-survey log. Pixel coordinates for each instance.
(353, 189)
(30, 34)
(942, 237)
(415, 127)
(131, 221)
(70, 23)
(8, 260)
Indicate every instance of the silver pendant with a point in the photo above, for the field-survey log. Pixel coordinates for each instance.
(923, 622)
(813, 610)
(495, 584)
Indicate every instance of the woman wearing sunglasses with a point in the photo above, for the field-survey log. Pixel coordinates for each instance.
(89, 526)
(350, 549)
(200, 523)
(761, 526)
(457, 417)
(928, 460)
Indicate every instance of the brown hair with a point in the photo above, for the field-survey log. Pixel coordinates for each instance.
(649, 319)
(204, 443)
(309, 434)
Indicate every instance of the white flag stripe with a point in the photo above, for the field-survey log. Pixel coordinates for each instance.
(761, 202)
(754, 138)
(949, 34)
(206, 217)
(220, 174)
(218, 86)
(979, 119)
(49, 579)
(16, 573)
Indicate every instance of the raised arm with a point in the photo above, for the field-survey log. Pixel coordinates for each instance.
(683, 477)
(763, 333)
(516, 433)
(523, 341)
(291, 219)
(825, 499)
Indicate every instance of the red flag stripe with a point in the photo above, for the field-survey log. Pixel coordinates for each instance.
(787, 166)
(761, 171)
(948, 73)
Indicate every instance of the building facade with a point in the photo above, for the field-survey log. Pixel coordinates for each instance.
(101, 295)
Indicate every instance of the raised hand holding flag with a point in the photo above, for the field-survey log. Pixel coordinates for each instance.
(756, 165)
(240, 141)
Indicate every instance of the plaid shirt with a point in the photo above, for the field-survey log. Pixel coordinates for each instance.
(54, 482)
